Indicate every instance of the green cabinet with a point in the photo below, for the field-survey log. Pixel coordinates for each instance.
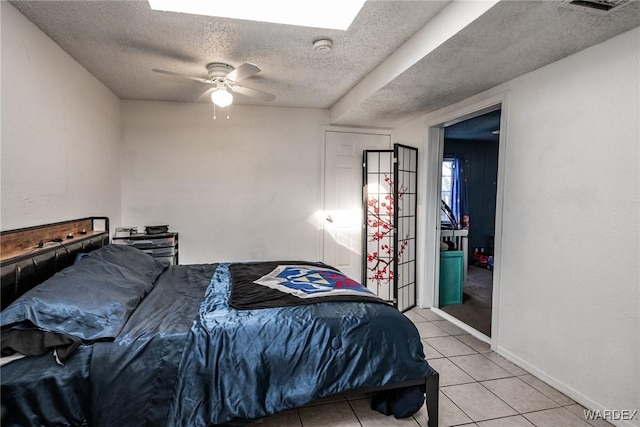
(451, 277)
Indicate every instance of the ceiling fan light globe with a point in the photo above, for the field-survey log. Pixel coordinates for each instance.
(222, 98)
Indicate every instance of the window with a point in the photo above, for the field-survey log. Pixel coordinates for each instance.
(447, 180)
(447, 188)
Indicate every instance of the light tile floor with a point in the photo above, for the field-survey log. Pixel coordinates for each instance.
(477, 388)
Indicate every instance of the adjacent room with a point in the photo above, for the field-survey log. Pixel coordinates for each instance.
(201, 155)
(469, 187)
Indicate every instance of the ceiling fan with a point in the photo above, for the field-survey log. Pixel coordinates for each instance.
(225, 80)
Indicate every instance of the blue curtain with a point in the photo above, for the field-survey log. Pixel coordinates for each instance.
(458, 190)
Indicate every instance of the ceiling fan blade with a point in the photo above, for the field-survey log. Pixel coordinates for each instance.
(253, 92)
(206, 95)
(242, 72)
(171, 73)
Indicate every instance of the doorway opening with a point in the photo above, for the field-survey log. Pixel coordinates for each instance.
(431, 271)
(469, 181)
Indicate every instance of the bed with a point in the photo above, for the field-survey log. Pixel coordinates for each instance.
(114, 337)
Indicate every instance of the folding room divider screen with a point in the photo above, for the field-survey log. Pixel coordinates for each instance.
(390, 179)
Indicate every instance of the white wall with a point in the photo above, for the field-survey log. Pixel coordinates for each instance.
(246, 188)
(60, 137)
(570, 274)
(569, 303)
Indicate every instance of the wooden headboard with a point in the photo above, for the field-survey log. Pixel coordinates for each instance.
(29, 256)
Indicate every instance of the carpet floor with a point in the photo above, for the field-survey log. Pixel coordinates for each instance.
(475, 309)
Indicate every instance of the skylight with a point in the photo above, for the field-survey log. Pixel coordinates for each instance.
(328, 14)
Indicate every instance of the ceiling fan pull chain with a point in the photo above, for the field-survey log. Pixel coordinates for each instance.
(228, 108)
(214, 111)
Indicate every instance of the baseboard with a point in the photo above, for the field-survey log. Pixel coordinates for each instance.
(562, 387)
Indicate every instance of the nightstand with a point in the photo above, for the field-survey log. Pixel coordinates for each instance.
(163, 247)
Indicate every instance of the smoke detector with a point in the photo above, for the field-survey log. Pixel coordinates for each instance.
(595, 6)
(323, 45)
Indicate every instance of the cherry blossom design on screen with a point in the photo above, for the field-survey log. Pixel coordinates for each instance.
(380, 222)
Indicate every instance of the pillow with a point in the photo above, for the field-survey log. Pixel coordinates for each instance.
(88, 301)
(142, 265)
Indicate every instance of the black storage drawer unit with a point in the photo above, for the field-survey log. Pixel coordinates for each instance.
(163, 247)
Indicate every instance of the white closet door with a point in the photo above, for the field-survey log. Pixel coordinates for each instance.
(343, 216)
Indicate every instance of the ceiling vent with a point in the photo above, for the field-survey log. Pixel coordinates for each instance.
(595, 6)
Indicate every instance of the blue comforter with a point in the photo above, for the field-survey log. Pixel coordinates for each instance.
(270, 360)
(185, 358)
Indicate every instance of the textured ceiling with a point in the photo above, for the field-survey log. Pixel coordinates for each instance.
(120, 42)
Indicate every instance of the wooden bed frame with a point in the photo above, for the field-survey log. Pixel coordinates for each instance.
(29, 256)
